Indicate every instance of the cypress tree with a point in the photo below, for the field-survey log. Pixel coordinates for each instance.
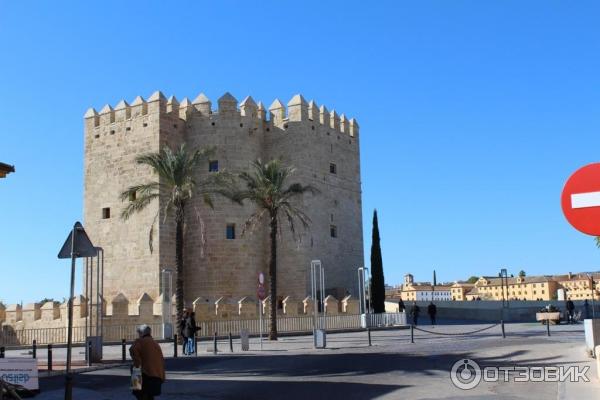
(377, 280)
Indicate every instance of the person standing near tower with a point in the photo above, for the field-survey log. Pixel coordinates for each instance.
(432, 311)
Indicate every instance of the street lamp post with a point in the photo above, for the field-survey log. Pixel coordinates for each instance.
(504, 278)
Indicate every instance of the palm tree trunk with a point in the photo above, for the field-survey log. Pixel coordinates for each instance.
(273, 279)
(179, 218)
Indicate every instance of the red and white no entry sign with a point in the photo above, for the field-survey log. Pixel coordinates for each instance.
(581, 199)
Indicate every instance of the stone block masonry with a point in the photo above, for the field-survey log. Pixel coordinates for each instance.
(323, 147)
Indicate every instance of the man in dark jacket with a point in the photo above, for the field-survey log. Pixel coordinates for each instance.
(432, 310)
(414, 312)
(182, 330)
(189, 331)
(147, 355)
(401, 306)
(570, 308)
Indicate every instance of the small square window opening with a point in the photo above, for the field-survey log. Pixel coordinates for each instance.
(213, 166)
(106, 213)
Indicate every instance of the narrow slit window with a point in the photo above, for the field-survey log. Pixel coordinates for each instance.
(213, 166)
(332, 168)
(333, 231)
(132, 196)
(106, 213)
(230, 231)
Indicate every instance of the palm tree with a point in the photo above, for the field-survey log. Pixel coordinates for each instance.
(176, 185)
(266, 187)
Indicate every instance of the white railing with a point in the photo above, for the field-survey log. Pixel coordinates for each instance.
(115, 333)
(299, 324)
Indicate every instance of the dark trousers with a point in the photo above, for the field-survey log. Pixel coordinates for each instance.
(432, 319)
(415, 319)
(151, 386)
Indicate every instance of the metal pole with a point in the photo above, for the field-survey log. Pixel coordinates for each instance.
(230, 342)
(260, 319)
(369, 334)
(370, 304)
(98, 310)
(87, 293)
(34, 348)
(123, 353)
(323, 318)
(68, 376)
(49, 356)
(412, 333)
(360, 300)
(2, 352)
(175, 345)
(313, 292)
(89, 353)
(101, 294)
(593, 301)
(503, 332)
(215, 343)
(548, 326)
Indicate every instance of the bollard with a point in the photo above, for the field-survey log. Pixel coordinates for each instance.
(123, 353)
(49, 357)
(195, 344)
(230, 342)
(34, 348)
(215, 343)
(174, 346)
(502, 326)
(369, 335)
(412, 333)
(89, 353)
(2, 350)
(548, 326)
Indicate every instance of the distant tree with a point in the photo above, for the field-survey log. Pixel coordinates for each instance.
(522, 274)
(377, 279)
(45, 300)
(472, 279)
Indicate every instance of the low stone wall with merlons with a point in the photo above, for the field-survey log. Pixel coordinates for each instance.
(47, 323)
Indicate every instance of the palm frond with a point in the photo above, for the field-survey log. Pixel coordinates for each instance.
(138, 205)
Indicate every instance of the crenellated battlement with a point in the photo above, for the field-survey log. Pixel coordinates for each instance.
(298, 110)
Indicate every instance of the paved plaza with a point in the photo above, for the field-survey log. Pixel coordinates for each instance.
(392, 368)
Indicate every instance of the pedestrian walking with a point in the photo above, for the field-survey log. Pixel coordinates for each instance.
(401, 306)
(570, 309)
(414, 312)
(189, 332)
(147, 355)
(432, 311)
(182, 331)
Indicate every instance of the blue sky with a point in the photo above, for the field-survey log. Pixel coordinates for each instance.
(473, 114)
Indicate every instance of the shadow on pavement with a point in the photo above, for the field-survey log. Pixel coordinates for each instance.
(327, 375)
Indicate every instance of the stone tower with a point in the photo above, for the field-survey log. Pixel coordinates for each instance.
(219, 262)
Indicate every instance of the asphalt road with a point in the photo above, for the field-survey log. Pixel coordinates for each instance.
(392, 368)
